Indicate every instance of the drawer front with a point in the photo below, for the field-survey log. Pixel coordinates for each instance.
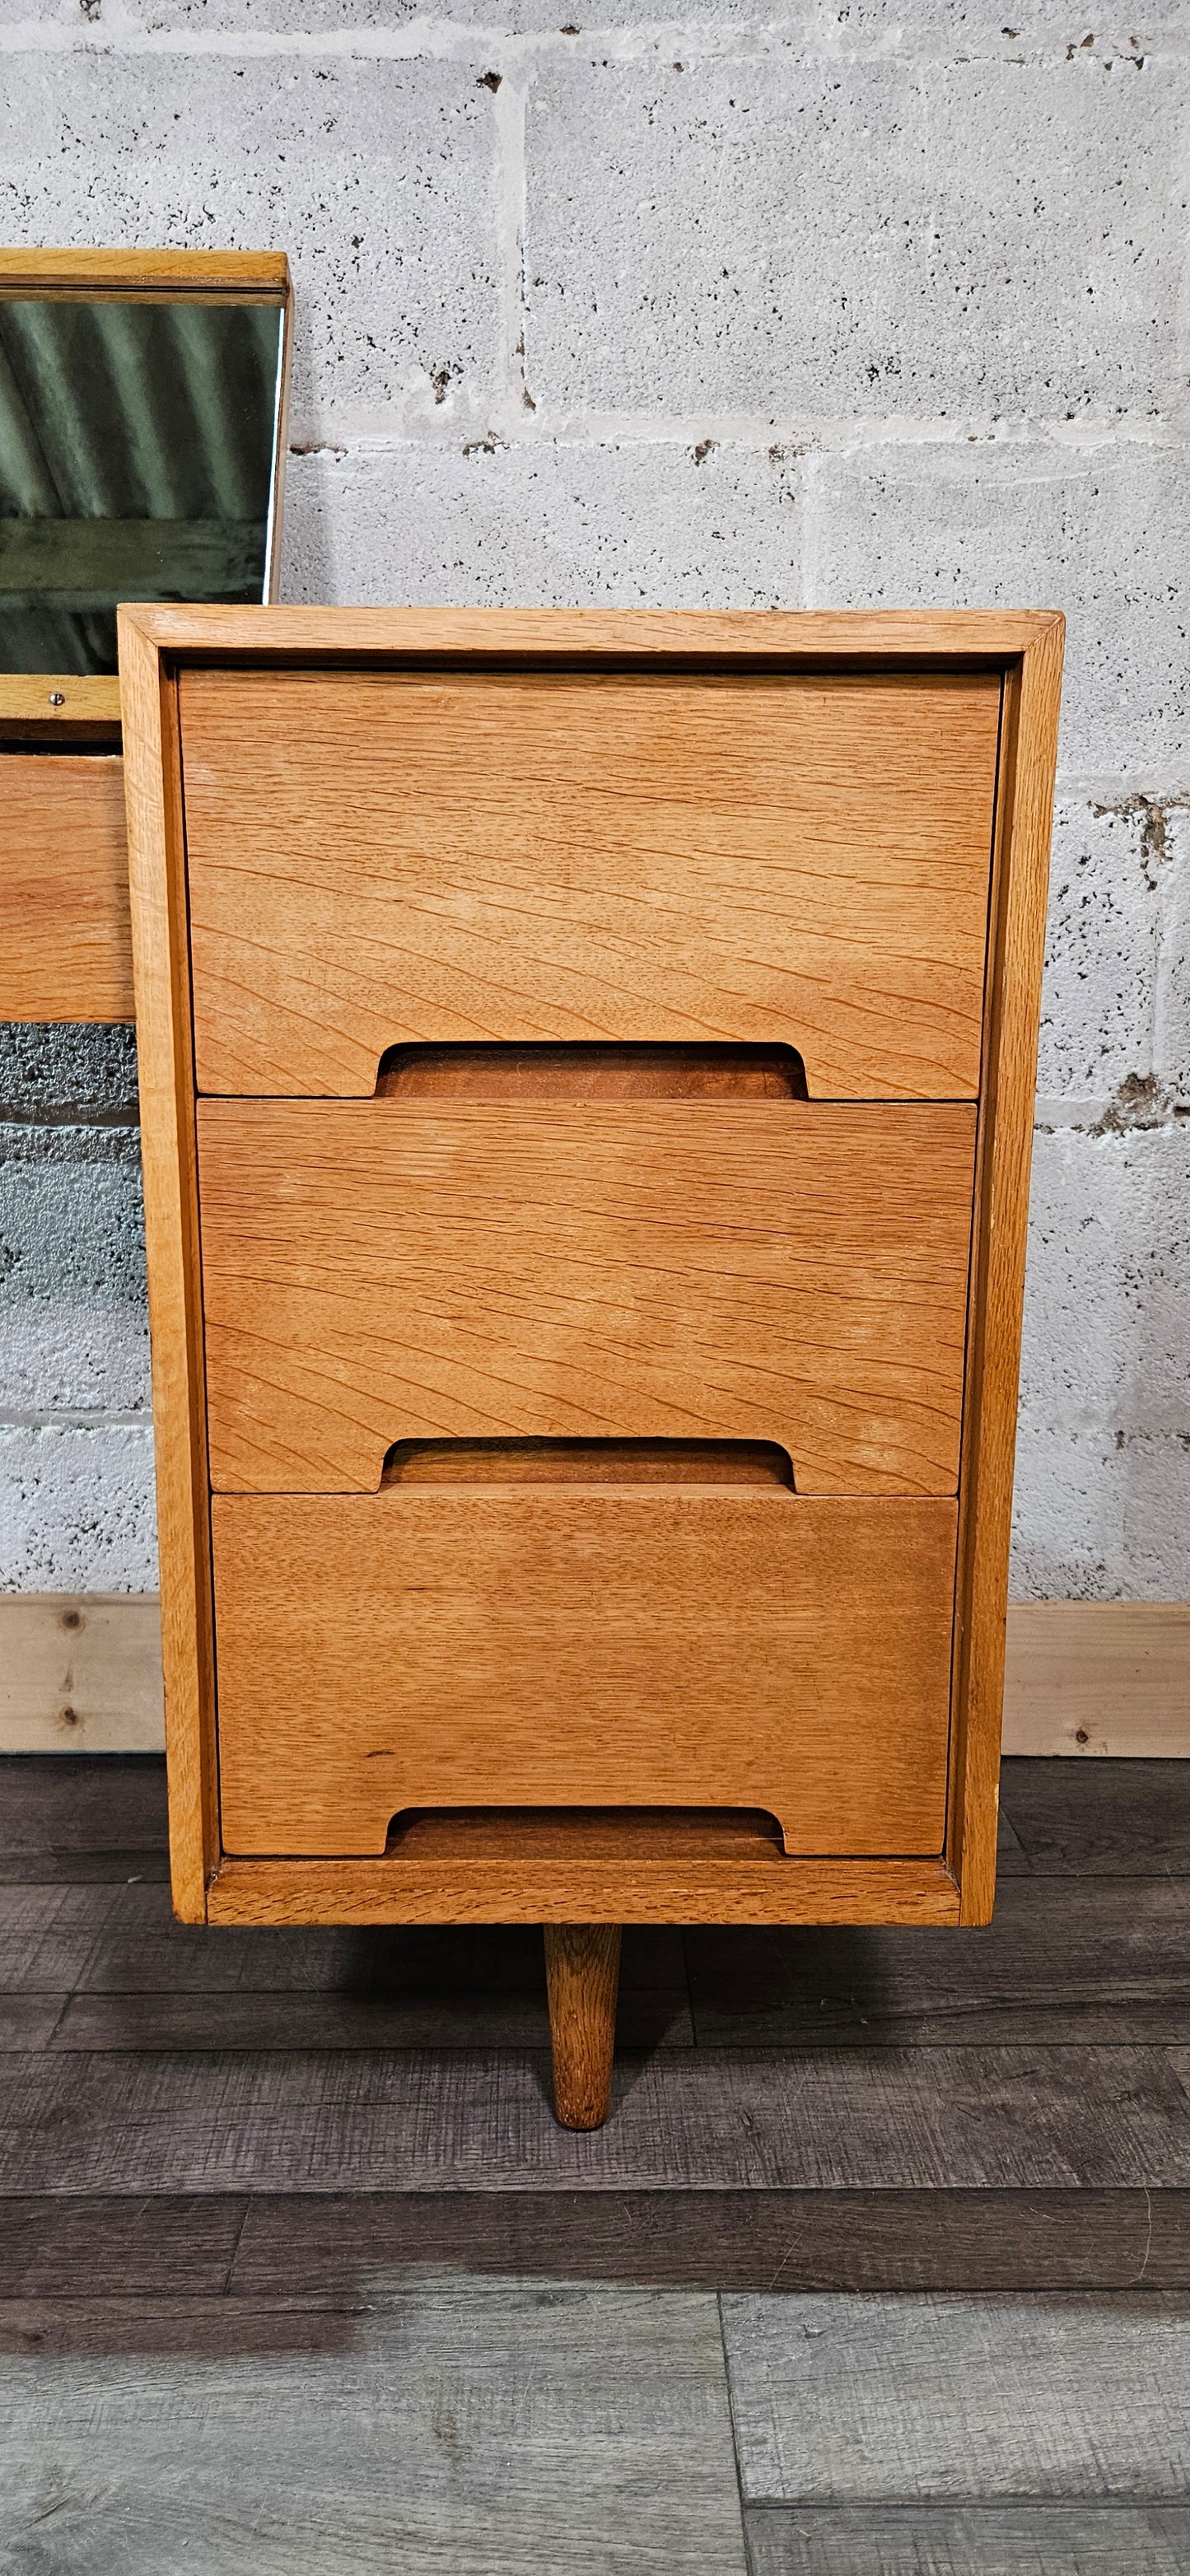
(772, 1270)
(65, 927)
(497, 1648)
(386, 858)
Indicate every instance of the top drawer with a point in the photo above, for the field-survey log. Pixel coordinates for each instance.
(395, 857)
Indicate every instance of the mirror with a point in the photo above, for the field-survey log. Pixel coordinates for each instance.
(142, 401)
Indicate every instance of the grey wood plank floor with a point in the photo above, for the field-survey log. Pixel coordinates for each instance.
(1065, 1959)
(337, 2245)
(882, 2263)
(971, 2540)
(460, 2430)
(888, 2436)
(886, 2398)
(479, 2120)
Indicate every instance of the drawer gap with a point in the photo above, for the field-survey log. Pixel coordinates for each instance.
(588, 1462)
(585, 1833)
(592, 1070)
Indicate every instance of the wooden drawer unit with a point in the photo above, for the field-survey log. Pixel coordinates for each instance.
(587, 1076)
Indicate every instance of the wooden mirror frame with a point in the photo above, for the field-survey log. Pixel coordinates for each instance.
(65, 938)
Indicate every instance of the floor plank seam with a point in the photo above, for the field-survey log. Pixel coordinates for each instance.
(238, 2239)
(1008, 2501)
(749, 2567)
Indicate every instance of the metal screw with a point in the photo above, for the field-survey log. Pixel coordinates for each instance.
(56, 698)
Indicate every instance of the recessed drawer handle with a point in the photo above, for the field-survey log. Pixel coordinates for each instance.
(588, 1462)
(585, 1833)
(595, 1070)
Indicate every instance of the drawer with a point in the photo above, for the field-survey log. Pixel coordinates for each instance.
(65, 927)
(385, 858)
(761, 1269)
(499, 1647)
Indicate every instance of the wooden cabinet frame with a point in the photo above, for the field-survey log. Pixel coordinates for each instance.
(508, 1879)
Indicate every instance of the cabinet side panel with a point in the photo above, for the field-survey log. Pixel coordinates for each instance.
(161, 967)
(1016, 952)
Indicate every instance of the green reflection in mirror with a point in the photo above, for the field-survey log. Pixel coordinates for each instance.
(137, 461)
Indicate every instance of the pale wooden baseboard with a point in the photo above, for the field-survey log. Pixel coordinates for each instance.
(80, 1672)
(1098, 1677)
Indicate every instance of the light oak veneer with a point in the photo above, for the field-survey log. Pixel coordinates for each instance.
(793, 1271)
(65, 935)
(517, 1647)
(357, 831)
(558, 854)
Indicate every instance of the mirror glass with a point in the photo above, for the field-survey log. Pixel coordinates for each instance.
(138, 454)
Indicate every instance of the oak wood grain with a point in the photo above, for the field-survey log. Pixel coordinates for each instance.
(93, 273)
(376, 1271)
(168, 1154)
(588, 1462)
(582, 1972)
(591, 652)
(62, 707)
(794, 639)
(518, 1834)
(563, 1646)
(143, 1950)
(469, 1889)
(65, 933)
(1016, 951)
(592, 1069)
(384, 858)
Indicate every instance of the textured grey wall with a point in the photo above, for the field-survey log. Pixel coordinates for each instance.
(841, 305)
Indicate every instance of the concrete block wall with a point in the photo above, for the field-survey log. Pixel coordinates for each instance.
(748, 304)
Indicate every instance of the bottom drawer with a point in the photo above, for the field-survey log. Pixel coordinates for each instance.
(497, 1646)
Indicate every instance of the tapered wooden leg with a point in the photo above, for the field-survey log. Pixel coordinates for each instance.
(582, 1975)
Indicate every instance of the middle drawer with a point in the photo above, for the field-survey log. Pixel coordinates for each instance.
(783, 1270)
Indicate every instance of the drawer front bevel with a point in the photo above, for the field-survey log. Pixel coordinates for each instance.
(718, 1648)
(773, 1270)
